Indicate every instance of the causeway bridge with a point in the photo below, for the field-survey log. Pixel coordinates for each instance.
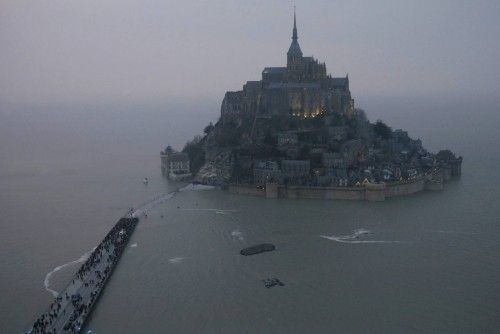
(69, 311)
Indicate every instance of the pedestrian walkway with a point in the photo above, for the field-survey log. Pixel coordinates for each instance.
(70, 309)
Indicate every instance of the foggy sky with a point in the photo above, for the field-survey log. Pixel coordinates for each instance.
(152, 50)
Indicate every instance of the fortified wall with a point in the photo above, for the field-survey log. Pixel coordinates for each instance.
(405, 188)
(373, 192)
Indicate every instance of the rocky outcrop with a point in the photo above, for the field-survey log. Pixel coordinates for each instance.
(218, 170)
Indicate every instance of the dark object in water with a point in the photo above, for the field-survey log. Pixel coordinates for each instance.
(257, 249)
(272, 282)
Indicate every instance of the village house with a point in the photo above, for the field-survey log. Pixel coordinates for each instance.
(338, 133)
(287, 139)
(334, 160)
(266, 171)
(295, 168)
(178, 166)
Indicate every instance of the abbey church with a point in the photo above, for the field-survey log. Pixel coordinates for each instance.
(301, 89)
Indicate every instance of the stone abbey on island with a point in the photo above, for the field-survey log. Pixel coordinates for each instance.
(297, 134)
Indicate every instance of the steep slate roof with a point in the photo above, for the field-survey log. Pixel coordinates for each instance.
(274, 70)
(339, 82)
(287, 85)
(294, 49)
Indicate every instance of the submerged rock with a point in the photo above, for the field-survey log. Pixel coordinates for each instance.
(272, 282)
(257, 249)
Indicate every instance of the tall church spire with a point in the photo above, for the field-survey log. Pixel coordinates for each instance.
(294, 36)
(294, 51)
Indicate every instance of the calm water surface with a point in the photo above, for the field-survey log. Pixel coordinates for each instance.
(67, 174)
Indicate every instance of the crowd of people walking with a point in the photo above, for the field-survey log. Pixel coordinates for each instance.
(68, 311)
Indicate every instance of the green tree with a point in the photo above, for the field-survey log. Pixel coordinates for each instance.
(270, 139)
(208, 128)
(382, 130)
(194, 150)
(445, 155)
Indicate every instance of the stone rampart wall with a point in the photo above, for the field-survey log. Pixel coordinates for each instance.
(357, 193)
(404, 188)
(369, 192)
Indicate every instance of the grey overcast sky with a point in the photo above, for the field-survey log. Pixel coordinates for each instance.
(150, 50)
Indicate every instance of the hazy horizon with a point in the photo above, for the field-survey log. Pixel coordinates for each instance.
(123, 52)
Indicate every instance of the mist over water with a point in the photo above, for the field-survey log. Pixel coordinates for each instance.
(67, 173)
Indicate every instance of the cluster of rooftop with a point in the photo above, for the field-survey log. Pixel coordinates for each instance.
(352, 162)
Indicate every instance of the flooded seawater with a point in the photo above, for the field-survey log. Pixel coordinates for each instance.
(428, 263)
